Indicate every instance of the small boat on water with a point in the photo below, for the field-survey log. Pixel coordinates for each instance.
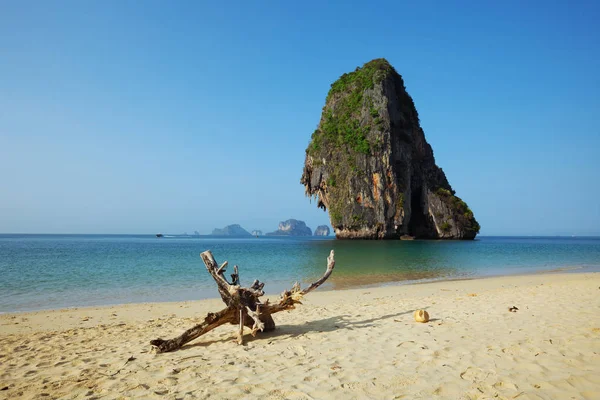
(159, 235)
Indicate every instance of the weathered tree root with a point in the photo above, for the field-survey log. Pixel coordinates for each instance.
(243, 305)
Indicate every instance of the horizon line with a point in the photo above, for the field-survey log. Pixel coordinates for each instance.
(332, 235)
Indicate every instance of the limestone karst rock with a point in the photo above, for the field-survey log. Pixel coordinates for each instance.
(322, 230)
(291, 227)
(369, 164)
(231, 230)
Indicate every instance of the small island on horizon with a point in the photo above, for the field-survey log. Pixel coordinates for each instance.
(231, 230)
(291, 227)
(322, 230)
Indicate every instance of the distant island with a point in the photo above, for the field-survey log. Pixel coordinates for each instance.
(322, 230)
(257, 232)
(292, 227)
(231, 230)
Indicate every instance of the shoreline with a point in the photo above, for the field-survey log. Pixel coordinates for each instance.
(217, 302)
(329, 288)
(351, 343)
(342, 292)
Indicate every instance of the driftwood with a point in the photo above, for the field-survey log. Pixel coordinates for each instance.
(243, 305)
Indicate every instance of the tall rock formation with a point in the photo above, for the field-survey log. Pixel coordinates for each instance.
(322, 230)
(369, 164)
(292, 227)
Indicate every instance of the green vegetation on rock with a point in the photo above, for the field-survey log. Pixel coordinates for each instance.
(363, 78)
(445, 227)
(460, 210)
(341, 123)
(400, 201)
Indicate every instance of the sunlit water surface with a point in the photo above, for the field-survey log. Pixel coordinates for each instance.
(56, 271)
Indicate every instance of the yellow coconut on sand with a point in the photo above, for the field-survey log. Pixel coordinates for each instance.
(421, 316)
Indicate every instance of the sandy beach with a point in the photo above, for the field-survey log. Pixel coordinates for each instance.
(357, 343)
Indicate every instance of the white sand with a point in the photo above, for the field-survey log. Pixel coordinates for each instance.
(360, 343)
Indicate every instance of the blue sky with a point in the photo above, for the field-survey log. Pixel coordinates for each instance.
(129, 117)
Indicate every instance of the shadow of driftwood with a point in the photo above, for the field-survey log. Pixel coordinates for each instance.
(290, 331)
(199, 343)
(323, 325)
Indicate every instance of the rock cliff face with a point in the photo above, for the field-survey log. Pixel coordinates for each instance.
(291, 227)
(322, 230)
(231, 230)
(369, 164)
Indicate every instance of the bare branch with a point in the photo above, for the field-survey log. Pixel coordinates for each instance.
(222, 268)
(328, 271)
(240, 338)
(211, 321)
(226, 290)
(211, 267)
(235, 277)
(255, 315)
(290, 298)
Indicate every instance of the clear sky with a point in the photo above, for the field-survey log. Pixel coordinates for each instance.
(145, 117)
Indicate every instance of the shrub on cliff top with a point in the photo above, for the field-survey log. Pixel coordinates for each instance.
(362, 78)
(340, 124)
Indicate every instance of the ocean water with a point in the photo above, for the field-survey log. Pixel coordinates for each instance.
(56, 271)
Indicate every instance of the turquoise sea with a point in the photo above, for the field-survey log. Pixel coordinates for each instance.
(56, 271)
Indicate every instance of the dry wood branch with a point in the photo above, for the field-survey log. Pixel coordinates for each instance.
(235, 277)
(222, 268)
(256, 285)
(255, 315)
(328, 271)
(222, 285)
(211, 321)
(240, 339)
(243, 305)
(290, 298)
